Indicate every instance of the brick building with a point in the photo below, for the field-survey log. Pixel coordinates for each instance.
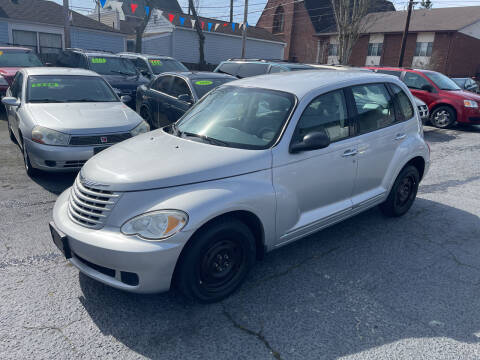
(298, 22)
(443, 39)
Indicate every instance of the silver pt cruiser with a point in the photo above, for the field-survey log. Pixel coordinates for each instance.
(256, 164)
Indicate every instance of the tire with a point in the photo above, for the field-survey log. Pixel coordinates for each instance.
(443, 117)
(216, 261)
(10, 132)
(26, 162)
(403, 193)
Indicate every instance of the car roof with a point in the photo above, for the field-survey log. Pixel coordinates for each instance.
(58, 71)
(15, 48)
(199, 75)
(93, 53)
(145, 56)
(268, 62)
(301, 83)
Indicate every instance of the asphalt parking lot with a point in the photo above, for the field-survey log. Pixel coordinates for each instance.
(368, 288)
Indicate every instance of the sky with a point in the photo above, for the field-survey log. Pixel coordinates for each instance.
(221, 8)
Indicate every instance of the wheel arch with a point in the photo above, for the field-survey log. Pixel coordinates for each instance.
(419, 163)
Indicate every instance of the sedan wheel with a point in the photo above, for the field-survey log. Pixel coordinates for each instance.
(443, 117)
(26, 161)
(10, 132)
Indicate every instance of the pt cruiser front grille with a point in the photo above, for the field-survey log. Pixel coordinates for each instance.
(423, 110)
(89, 206)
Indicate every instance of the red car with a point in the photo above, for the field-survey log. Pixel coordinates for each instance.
(447, 102)
(11, 60)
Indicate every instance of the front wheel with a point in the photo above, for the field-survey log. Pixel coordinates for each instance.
(31, 171)
(443, 117)
(10, 132)
(403, 193)
(216, 261)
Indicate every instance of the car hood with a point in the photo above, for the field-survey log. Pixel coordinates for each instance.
(9, 73)
(158, 160)
(462, 94)
(84, 118)
(125, 82)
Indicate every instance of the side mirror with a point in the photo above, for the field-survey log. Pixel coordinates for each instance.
(11, 101)
(427, 87)
(145, 73)
(126, 98)
(311, 141)
(185, 97)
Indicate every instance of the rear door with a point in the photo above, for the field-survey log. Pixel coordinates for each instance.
(380, 130)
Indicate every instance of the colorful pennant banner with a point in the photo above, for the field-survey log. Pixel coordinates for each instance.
(134, 7)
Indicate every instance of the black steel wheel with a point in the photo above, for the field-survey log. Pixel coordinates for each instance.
(216, 261)
(403, 193)
(443, 117)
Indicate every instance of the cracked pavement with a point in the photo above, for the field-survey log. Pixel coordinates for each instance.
(368, 288)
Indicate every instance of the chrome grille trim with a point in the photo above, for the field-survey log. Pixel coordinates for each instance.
(90, 207)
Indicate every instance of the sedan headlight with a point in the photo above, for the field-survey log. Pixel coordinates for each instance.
(143, 127)
(48, 136)
(3, 81)
(156, 225)
(470, 104)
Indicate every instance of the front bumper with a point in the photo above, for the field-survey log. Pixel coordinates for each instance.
(58, 158)
(106, 254)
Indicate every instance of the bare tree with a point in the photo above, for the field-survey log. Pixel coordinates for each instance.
(349, 16)
(426, 4)
(201, 37)
(140, 28)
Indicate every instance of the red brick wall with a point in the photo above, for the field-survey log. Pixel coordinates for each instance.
(360, 51)
(464, 56)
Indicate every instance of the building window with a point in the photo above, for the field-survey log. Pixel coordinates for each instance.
(424, 49)
(375, 49)
(332, 49)
(278, 20)
(131, 45)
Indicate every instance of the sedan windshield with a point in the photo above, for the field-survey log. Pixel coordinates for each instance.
(442, 81)
(248, 118)
(202, 86)
(109, 65)
(163, 65)
(18, 58)
(69, 88)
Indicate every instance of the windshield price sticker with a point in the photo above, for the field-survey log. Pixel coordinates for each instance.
(99, 60)
(1, 53)
(50, 85)
(156, 62)
(203, 82)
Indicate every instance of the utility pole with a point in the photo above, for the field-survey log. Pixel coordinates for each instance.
(244, 34)
(231, 11)
(405, 34)
(66, 22)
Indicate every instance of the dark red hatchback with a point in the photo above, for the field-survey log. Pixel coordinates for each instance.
(11, 60)
(447, 102)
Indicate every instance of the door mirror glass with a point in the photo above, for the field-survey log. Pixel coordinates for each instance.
(427, 87)
(11, 101)
(311, 141)
(126, 98)
(185, 97)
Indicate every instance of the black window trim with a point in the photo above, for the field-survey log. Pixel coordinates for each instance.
(398, 109)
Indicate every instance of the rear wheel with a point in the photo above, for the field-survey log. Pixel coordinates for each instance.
(216, 261)
(443, 117)
(403, 193)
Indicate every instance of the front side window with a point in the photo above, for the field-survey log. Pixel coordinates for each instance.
(16, 88)
(19, 58)
(68, 88)
(248, 118)
(179, 87)
(328, 114)
(442, 81)
(163, 84)
(424, 49)
(374, 107)
(375, 49)
(165, 65)
(109, 65)
(405, 106)
(415, 81)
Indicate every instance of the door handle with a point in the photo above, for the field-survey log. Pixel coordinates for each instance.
(351, 152)
(400, 136)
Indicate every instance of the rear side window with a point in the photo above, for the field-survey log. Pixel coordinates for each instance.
(276, 69)
(179, 87)
(326, 113)
(405, 108)
(374, 107)
(390, 72)
(229, 68)
(252, 69)
(415, 81)
(163, 84)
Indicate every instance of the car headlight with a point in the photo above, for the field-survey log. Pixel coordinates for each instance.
(156, 225)
(470, 104)
(48, 136)
(143, 127)
(3, 81)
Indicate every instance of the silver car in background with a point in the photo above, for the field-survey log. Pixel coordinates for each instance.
(256, 164)
(61, 117)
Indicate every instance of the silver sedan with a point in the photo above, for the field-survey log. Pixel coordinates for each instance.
(61, 117)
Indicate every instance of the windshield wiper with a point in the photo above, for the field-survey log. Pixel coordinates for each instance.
(46, 101)
(206, 138)
(122, 73)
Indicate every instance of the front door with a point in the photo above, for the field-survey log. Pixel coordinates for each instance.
(161, 100)
(314, 188)
(418, 85)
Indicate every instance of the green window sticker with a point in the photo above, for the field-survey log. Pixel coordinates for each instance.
(156, 62)
(49, 85)
(203, 82)
(99, 60)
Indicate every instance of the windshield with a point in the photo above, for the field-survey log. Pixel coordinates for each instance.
(248, 118)
(163, 65)
(442, 81)
(69, 88)
(109, 65)
(18, 58)
(203, 86)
